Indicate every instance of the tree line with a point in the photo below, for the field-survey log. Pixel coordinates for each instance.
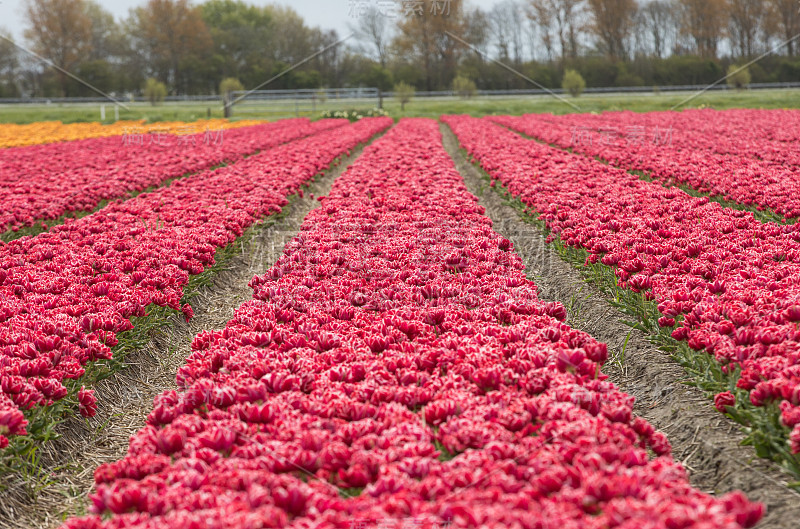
(427, 44)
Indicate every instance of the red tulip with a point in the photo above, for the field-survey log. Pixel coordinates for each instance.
(477, 382)
(723, 400)
(87, 402)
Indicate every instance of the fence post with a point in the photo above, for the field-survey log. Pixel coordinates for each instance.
(116, 113)
(226, 101)
(380, 98)
(102, 112)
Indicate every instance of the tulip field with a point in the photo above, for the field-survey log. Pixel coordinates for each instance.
(103, 169)
(397, 367)
(12, 135)
(724, 282)
(742, 157)
(68, 292)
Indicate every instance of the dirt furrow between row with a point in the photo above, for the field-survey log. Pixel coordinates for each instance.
(707, 443)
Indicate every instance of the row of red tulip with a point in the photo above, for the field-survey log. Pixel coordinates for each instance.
(44, 182)
(66, 294)
(100, 152)
(737, 178)
(396, 369)
(747, 133)
(779, 125)
(730, 285)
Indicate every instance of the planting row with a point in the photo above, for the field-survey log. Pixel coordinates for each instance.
(66, 294)
(780, 125)
(12, 135)
(104, 153)
(741, 133)
(95, 154)
(64, 156)
(396, 369)
(101, 169)
(737, 178)
(723, 282)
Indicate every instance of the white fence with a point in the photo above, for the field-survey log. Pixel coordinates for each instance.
(271, 104)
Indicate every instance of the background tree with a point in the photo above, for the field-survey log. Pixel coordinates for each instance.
(464, 87)
(102, 67)
(703, 23)
(155, 91)
(660, 20)
(106, 35)
(241, 35)
(173, 40)
(325, 66)
(60, 31)
(540, 13)
(573, 83)
(373, 31)
(784, 16)
(378, 77)
(613, 22)
(506, 26)
(228, 85)
(559, 22)
(422, 39)
(191, 46)
(290, 41)
(476, 32)
(404, 93)
(746, 25)
(9, 63)
(738, 77)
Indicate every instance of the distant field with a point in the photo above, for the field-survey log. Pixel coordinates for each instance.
(82, 112)
(357, 265)
(597, 103)
(422, 107)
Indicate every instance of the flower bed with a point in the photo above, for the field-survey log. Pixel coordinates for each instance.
(71, 155)
(680, 156)
(768, 135)
(722, 282)
(396, 369)
(66, 294)
(13, 135)
(50, 181)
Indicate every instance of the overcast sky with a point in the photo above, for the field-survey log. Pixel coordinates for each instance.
(327, 14)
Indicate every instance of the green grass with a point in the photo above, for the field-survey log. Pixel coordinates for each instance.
(90, 112)
(418, 107)
(643, 102)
